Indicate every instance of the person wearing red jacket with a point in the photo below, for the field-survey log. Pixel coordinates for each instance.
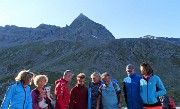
(62, 90)
(79, 94)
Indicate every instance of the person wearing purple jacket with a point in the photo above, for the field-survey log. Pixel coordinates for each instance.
(38, 94)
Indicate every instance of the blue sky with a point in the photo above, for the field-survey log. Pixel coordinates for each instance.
(123, 18)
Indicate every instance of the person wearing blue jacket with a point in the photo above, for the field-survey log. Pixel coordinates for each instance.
(18, 95)
(131, 88)
(93, 92)
(151, 87)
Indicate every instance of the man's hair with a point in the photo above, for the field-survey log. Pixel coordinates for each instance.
(38, 77)
(24, 76)
(147, 67)
(67, 72)
(80, 76)
(105, 74)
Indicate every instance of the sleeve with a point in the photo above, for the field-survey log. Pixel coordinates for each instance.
(7, 98)
(29, 100)
(89, 84)
(98, 105)
(35, 99)
(118, 89)
(72, 99)
(59, 91)
(119, 96)
(125, 92)
(89, 98)
(161, 89)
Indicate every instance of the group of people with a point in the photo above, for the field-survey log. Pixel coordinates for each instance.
(140, 92)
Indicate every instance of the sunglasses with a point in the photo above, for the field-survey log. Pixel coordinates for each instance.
(129, 71)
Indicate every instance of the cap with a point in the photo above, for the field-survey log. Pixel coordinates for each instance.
(129, 67)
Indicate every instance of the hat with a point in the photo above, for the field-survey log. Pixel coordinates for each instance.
(129, 67)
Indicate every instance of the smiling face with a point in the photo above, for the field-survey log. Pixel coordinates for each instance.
(81, 81)
(129, 72)
(95, 79)
(41, 82)
(68, 77)
(106, 80)
(143, 70)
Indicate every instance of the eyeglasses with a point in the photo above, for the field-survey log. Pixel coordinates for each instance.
(129, 71)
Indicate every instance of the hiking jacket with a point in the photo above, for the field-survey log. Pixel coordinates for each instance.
(132, 91)
(36, 99)
(17, 97)
(78, 97)
(148, 89)
(62, 94)
(94, 93)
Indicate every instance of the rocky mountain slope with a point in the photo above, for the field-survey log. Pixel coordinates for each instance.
(84, 46)
(81, 27)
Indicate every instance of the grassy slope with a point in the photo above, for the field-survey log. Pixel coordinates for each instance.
(112, 57)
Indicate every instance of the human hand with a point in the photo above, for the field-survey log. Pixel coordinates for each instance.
(45, 108)
(43, 95)
(119, 105)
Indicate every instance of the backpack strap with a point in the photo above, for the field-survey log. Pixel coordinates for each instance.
(117, 92)
(101, 89)
(115, 87)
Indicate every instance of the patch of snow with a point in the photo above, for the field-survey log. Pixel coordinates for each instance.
(94, 36)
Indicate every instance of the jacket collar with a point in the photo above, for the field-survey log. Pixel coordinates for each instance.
(147, 77)
(132, 75)
(79, 86)
(61, 80)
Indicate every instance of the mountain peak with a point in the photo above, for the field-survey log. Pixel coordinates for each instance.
(81, 15)
(83, 26)
(81, 19)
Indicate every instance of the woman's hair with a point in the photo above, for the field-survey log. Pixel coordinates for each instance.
(147, 67)
(24, 76)
(38, 77)
(81, 76)
(96, 74)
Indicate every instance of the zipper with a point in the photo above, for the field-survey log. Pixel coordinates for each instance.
(131, 93)
(147, 93)
(25, 96)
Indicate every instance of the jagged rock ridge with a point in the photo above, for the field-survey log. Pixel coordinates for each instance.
(81, 27)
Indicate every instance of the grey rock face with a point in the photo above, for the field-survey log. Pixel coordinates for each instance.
(81, 27)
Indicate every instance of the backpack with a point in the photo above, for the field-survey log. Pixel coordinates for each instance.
(167, 102)
(172, 103)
